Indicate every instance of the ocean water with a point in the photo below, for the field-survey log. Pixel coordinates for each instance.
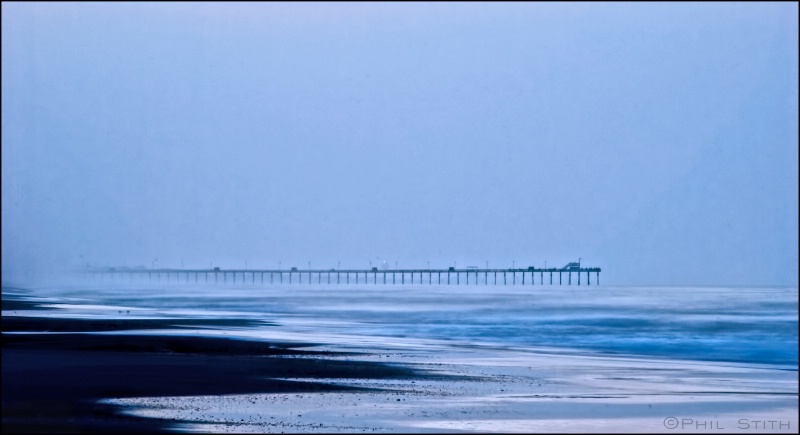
(736, 324)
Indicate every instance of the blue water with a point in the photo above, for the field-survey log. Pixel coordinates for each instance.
(737, 324)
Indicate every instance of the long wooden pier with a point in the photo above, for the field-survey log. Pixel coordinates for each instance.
(449, 276)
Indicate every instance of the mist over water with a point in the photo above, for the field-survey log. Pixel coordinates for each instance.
(736, 324)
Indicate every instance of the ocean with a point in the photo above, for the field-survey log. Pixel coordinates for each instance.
(754, 325)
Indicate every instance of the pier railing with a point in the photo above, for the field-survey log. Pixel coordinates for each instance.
(450, 276)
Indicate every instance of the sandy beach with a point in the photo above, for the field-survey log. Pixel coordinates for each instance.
(128, 374)
(56, 373)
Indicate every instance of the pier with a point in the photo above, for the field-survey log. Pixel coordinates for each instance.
(449, 276)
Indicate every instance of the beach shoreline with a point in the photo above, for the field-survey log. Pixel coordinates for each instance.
(128, 374)
(57, 370)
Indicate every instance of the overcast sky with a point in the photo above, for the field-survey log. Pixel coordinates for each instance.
(657, 141)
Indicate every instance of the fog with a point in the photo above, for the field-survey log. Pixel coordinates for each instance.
(657, 141)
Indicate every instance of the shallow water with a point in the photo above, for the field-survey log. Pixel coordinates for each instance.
(737, 324)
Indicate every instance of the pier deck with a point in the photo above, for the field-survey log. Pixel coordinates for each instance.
(453, 276)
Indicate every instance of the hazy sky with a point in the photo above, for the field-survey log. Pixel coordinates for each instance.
(657, 141)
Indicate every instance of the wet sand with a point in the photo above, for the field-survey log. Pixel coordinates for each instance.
(55, 374)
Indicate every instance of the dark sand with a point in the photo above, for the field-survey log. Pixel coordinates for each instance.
(54, 382)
